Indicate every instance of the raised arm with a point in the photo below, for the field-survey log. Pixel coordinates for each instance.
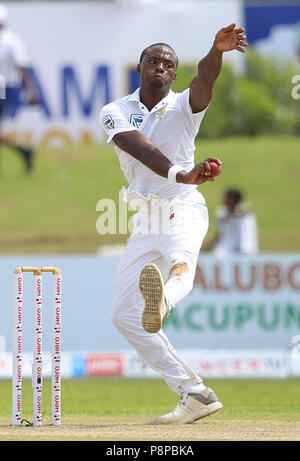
(201, 88)
(141, 148)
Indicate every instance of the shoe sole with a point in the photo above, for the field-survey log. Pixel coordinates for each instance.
(152, 289)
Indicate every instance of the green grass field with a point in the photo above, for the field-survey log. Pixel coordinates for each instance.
(54, 208)
(119, 409)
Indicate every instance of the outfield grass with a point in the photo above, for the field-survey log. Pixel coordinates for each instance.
(117, 409)
(54, 208)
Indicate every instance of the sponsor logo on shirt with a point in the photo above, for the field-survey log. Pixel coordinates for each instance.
(160, 113)
(108, 123)
(136, 120)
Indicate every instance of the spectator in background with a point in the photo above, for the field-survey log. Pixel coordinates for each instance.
(13, 67)
(236, 230)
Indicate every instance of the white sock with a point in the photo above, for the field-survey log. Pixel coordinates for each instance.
(195, 388)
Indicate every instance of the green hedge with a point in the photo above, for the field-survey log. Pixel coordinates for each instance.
(257, 102)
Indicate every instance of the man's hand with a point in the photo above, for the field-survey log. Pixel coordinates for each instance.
(199, 174)
(229, 38)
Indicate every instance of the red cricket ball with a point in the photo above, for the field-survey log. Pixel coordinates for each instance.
(215, 169)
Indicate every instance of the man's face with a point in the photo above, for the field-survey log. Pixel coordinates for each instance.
(158, 67)
(229, 202)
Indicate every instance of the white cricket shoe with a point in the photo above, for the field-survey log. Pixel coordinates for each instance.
(156, 308)
(192, 407)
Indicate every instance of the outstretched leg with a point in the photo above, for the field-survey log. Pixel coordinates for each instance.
(159, 298)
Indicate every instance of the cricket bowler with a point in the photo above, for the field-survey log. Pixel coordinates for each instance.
(153, 131)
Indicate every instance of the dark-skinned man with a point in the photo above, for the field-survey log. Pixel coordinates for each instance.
(153, 132)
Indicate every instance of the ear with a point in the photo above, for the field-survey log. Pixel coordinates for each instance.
(138, 69)
(175, 75)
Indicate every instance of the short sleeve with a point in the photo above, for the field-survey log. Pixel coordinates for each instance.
(183, 104)
(19, 50)
(114, 121)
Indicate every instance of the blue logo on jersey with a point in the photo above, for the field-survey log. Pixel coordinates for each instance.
(108, 122)
(136, 120)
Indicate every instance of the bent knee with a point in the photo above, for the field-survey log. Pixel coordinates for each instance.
(122, 317)
(178, 270)
(183, 273)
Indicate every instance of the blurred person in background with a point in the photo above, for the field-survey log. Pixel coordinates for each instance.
(236, 229)
(13, 68)
(298, 40)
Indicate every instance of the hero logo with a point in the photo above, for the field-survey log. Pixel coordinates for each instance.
(19, 402)
(39, 346)
(57, 345)
(19, 374)
(39, 317)
(57, 404)
(19, 344)
(57, 315)
(39, 404)
(58, 287)
(57, 374)
(20, 285)
(19, 314)
(39, 287)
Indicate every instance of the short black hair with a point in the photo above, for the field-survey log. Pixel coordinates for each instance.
(234, 194)
(158, 44)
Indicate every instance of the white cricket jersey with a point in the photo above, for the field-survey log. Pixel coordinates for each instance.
(170, 126)
(237, 233)
(12, 55)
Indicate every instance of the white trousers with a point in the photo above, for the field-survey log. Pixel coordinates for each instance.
(178, 241)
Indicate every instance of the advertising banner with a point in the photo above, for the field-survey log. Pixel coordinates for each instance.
(84, 54)
(237, 303)
(240, 302)
(105, 364)
(274, 30)
(220, 363)
(207, 363)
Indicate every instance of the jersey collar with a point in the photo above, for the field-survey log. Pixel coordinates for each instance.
(135, 96)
